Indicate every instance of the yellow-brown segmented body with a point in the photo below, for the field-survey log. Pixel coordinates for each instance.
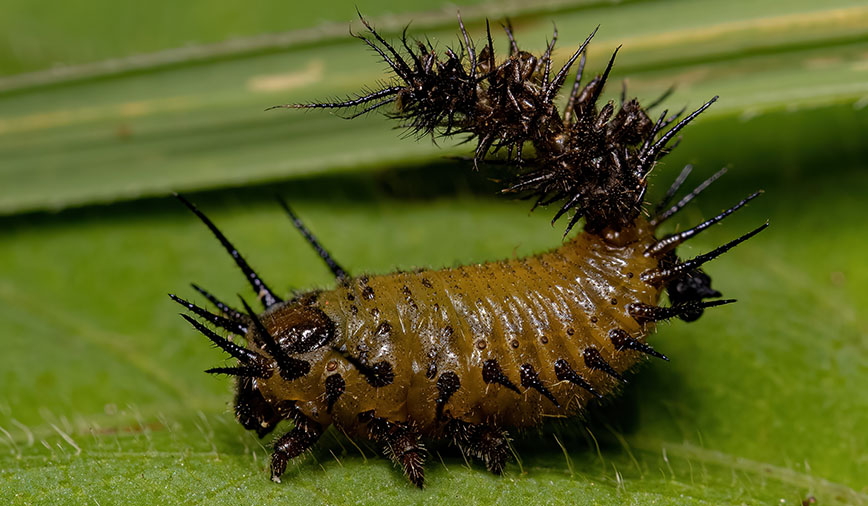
(532, 311)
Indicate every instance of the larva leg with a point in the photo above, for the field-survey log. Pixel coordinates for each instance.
(295, 442)
(480, 441)
(405, 449)
(252, 410)
(402, 446)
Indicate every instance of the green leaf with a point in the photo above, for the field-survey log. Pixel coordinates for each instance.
(102, 395)
(104, 400)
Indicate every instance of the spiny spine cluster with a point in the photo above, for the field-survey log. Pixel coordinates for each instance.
(592, 160)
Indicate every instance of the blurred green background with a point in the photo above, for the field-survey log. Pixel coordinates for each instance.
(106, 107)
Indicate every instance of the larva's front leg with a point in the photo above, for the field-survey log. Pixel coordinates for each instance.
(252, 410)
(295, 442)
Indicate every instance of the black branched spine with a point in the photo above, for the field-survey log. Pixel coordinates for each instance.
(591, 157)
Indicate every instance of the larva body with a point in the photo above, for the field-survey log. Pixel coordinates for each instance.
(465, 353)
(526, 315)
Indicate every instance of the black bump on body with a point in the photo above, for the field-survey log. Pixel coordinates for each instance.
(377, 375)
(530, 379)
(563, 372)
(368, 293)
(384, 329)
(595, 361)
(447, 384)
(335, 386)
(492, 373)
(624, 341)
(381, 374)
(432, 370)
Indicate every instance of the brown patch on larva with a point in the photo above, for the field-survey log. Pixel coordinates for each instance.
(367, 293)
(331, 366)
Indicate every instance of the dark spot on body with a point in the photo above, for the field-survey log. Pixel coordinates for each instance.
(614, 301)
(381, 374)
(335, 386)
(593, 319)
(570, 331)
(426, 283)
(432, 370)
(594, 360)
(481, 344)
(354, 310)
(384, 329)
(492, 373)
(629, 275)
(448, 331)
(514, 343)
(350, 297)
(544, 339)
(530, 379)
(375, 312)
(447, 384)
(368, 293)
